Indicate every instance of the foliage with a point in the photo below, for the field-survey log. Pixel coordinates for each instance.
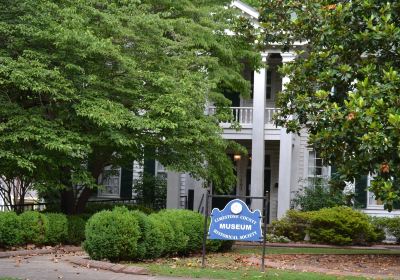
(293, 225)
(35, 227)
(193, 224)
(150, 190)
(344, 83)
(341, 226)
(76, 229)
(272, 238)
(94, 207)
(151, 241)
(87, 84)
(393, 227)
(312, 198)
(167, 231)
(253, 3)
(10, 229)
(112, 235)
(58, 228)
(180, 239)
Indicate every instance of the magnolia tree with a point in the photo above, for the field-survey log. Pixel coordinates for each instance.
(86, 84)
(344, 84)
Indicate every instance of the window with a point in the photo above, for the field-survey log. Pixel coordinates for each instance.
(317, 171)
(160, 170)
(372, 202)
(111, 181)
(268, 90)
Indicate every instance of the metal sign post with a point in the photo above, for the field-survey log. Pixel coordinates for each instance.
(236, 222)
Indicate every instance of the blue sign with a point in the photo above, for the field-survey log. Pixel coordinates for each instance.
(235, 222)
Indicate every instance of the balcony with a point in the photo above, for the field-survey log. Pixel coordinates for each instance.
(244, 116)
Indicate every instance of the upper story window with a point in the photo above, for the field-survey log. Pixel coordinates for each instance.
(317, 170)
(111, 181)
(268, 90)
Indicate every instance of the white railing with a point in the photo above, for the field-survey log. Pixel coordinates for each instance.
(241, 115)
(269, 114)
(244, 115)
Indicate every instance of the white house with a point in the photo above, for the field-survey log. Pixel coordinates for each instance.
(278, 163)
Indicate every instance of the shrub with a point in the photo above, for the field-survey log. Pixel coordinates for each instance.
(180, 240)
(318, 196)
(293, 225)
(76, 229)
(112, 235)
(10, 229)
(276, 239)
(58, 228)
(193, 228)
(94, 207)
(393, 227)
(167, 231)
(341, 226)
(35, 227)
(151, 241)
(380, 226)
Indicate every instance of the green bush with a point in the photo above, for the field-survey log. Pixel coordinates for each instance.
(151, 241)
(94, 207)
(58, 228)
(10, 229)
(112, 235)
(193, 227)
(379, 225)
(393, 227)
(35, 227)
(167, 232)
(341, 226)
(180, 240)
(293, 225)
(76, 229)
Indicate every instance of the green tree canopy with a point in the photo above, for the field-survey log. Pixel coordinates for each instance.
(344, 85)
(85, 84)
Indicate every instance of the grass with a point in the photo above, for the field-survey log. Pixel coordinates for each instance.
(240, 274)
(8, 278)
(325, 251)
(230, 266)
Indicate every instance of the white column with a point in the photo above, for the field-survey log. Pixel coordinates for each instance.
(285, 156)
(258, 143)
(173, 190)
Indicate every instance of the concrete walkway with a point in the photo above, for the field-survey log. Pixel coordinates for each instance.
(46, 267)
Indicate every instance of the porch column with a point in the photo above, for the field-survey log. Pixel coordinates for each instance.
(285, 156)
(258, 146)
(173, 190)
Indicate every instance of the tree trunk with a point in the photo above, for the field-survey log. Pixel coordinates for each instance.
(82, 200)
(68, 201)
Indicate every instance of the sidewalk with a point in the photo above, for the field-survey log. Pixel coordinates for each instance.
(50, 267)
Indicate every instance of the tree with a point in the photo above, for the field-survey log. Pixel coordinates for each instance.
(86, 84)
(344, 83)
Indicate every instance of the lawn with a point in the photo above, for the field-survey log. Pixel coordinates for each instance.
(231, 265)
(330, 251)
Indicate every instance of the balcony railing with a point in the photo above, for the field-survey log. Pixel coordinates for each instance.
(244, 115)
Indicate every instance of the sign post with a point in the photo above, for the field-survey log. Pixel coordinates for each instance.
(235, 222)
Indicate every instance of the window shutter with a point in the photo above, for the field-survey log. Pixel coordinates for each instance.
(126, 182)
(361, 192)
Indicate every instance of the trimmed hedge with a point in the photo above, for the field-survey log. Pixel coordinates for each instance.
(10, 229)
(76, 229)
(35, 227)
(337, 226)
(167, 231)
(180, 239)
(341, 226)
(58, 228)
(112, 235)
